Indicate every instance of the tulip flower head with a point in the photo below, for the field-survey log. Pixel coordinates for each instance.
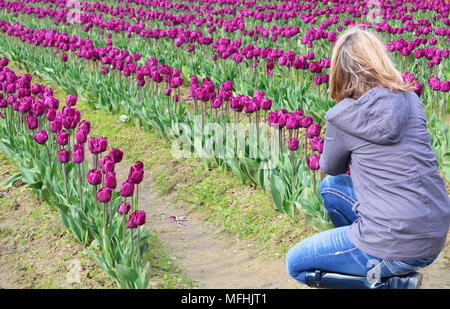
(116, 155)
(124, 207)
(293, 144)
(63, 156)
(78, 153)
(41, 137)
(104, 195)
(136, 174)
(110, 180)
(62, 138)
(313, 130)
(313, 162)
(127, 188)
(94, 177)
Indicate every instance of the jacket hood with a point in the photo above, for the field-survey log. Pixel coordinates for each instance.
(379, 116)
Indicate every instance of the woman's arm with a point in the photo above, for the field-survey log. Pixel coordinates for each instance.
(335, 156)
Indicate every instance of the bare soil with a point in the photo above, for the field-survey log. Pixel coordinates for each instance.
(36, 251)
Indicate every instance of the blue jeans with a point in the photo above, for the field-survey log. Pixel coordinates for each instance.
(332, 250)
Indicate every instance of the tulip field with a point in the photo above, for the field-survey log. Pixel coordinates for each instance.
(238, 84)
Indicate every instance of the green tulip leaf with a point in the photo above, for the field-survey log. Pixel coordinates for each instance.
(12, 179)
(127, 272)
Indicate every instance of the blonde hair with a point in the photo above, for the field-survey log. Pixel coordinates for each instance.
(359, 63)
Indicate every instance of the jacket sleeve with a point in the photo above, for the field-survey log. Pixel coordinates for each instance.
(335, 157)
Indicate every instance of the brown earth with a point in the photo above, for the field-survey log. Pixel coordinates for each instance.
(36, 251)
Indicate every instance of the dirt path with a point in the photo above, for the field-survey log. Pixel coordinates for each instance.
(214, 260)
(219, 261)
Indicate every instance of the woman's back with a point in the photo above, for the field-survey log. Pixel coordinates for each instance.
(403, 204)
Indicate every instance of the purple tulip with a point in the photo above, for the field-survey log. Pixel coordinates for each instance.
(63, 156)
(81, 136)
(140, 217)
(313, 130)
(56, 125)
(316, 144)
(313, 162)
(110, 180)
(307, 121)
(139, 165)
(41, 137)
(132, 222)
(94, 177)
(32, 123)
(108, 166)
(216, 103)
(266, 104)
(50, 114)
(104, 195)
(62, 138)
(136, 219)
(97, 144)
(78, 153)
(127, 188)
(292, 122)
(71, 100)
(227, 85)
(85, 125)
(136, 175)
(124, 207)
(116, 155)
(445, 86)
(4, 62)
(293, 144)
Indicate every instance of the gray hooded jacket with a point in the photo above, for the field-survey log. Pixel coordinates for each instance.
(403, 205)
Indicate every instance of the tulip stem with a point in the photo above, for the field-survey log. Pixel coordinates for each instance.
(196, 105)
(314, 181)
(292, 180)
(110, 214)
(280, 142)
(168, 107)
(123, 222)
(104, 219)
(257, 129)
(79, 186)
(65, 181)
(48, 156)
(132, 241)
(96, 201)
(306, 145)
(137, 196)
(139, 243)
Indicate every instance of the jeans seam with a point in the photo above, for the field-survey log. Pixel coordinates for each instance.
(340, 194)
(317, 256)
(345, 251)
(403, 265)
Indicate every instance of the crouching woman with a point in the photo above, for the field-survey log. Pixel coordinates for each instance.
(392, 214)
